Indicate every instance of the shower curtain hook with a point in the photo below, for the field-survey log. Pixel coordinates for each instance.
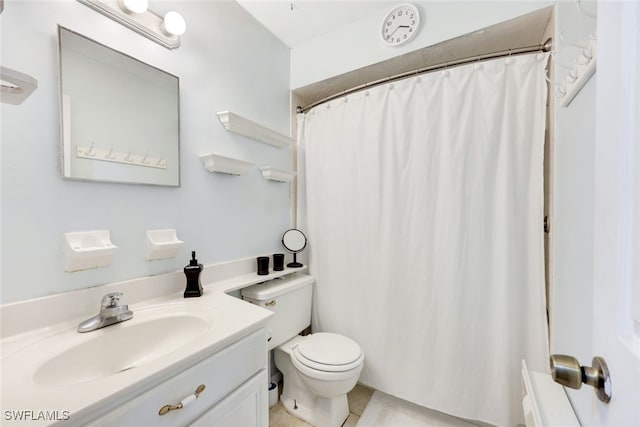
(477, 66)
(446, 72)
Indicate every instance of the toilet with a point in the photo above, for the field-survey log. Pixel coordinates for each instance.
(318, 370)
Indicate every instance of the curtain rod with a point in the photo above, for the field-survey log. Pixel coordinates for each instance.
(544, 47)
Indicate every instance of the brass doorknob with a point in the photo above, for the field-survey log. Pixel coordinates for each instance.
(566, 370)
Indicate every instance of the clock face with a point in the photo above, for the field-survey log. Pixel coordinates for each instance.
(400, 25)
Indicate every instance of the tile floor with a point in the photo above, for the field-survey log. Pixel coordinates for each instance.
(358, 399)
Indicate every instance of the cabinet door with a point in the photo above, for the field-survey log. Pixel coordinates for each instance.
(246, 406)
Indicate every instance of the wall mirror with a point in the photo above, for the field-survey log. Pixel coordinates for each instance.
(119, 116)
(294, 241)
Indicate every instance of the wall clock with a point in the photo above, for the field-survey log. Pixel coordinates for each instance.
(400, 25)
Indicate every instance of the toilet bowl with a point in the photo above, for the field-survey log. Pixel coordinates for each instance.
(318, 371)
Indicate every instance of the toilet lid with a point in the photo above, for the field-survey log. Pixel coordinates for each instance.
(328, 352)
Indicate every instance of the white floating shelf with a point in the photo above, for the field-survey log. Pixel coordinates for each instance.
(238, 124)
(162, 244)
(88, 249)
(16, 86)
(228, 165)
(274, 174)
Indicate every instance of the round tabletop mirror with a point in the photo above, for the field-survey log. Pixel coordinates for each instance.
(294, 241)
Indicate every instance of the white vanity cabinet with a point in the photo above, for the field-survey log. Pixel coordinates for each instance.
(235, 393)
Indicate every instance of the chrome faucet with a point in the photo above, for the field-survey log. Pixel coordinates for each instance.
(111, 312)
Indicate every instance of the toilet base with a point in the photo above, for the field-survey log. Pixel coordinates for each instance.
(321, 412)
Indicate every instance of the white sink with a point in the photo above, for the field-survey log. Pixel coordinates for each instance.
(153, 332)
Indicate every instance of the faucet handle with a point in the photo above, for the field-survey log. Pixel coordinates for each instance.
(111, 300)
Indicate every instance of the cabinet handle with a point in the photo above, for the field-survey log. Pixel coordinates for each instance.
(270, 303)
(186, 401)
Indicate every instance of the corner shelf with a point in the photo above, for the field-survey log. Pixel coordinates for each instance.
(579, 75)
(88, 249)
(274, 174)
(238, 124)
(162, 244)
(216, 163)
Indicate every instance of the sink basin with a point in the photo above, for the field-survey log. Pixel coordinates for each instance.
(153, 332)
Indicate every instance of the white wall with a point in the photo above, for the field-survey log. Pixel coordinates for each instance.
(358, 44)
(226, 61)
(572, 297)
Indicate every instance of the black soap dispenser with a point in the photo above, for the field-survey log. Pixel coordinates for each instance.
(192, 271)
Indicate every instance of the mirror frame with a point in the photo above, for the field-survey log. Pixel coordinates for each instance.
(175, 182)
(287, 248)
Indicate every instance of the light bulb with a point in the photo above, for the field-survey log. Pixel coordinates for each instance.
(134, 6)
(174, 24)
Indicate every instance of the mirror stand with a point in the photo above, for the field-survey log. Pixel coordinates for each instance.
(295, 263)
(294, 241)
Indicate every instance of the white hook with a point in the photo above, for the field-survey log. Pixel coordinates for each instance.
(90, 151)
(586, 57)
(110, 155)
(571, 76)
(446, 72)
(477, 65)
(584, 12)
(508, 59)
(144, 160)
(128, 157)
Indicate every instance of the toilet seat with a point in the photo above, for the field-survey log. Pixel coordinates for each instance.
(328, 352)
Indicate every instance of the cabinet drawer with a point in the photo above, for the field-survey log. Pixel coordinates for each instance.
(221, 373)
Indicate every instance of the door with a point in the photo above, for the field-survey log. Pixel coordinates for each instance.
(595, 304)
(616, 235)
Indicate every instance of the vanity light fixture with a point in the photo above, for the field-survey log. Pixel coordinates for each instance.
(136, 15)
(134, 6)
(173, 24)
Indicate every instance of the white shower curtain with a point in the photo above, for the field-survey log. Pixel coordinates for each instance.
(423, 205)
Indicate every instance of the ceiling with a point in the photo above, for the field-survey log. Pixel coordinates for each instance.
(527, 30)
(296, 21)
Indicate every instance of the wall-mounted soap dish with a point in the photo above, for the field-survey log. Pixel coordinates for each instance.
(217, 163)
(162, 244)
(274, 174)
(88, 249)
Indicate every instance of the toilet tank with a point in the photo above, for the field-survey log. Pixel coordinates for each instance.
(290, 300)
